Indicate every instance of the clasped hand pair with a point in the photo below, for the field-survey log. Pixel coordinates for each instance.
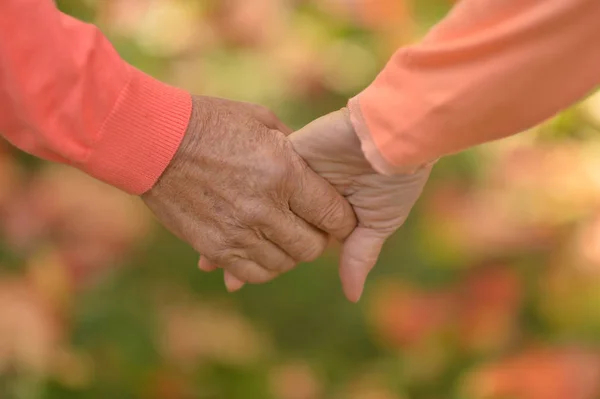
(255, 198)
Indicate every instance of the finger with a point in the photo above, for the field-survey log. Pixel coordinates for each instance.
(231, 282)
(248, 271)
(270, 256)
(206, 265)
(301, 241)
(359, 255)
(318, 202)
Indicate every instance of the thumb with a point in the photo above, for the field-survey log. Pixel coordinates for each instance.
(359, 254)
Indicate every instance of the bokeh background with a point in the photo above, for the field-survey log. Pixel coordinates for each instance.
(490, 291)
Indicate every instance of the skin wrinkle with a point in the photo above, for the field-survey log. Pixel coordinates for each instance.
(381, 203)
(233, 192)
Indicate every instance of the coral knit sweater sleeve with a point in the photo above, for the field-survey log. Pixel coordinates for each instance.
(490, 69)
(67, 96)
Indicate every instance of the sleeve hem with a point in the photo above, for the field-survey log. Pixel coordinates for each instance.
(370, 149)
(141, 134)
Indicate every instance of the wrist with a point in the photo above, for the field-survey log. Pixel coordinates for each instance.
(186, 153)
(371, 151)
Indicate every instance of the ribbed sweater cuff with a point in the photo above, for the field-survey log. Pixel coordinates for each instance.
(141, 134)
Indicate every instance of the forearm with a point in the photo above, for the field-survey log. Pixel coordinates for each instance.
(67, 96)
(491, 69)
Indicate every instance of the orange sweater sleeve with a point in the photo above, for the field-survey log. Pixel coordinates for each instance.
(491, 69)
(67, 96)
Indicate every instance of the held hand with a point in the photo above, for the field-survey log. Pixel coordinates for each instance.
(238, 193)
(382, 203)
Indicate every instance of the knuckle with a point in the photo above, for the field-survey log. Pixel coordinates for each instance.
(261, 278)
(242, 273)
(236, 262)
(313, 249)
(300, 170)
(224, 257)
(237, 237)
(309, 254)
(272, 170)
(258, 236)
(283, 265)
(278, 171)
(255, 214)
(333, 214)
(256, 275)
(205, 245)
(287, 265)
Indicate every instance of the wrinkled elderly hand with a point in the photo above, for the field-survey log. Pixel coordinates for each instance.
(382, 203)
(239, 194)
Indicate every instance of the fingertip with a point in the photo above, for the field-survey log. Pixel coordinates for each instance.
(359, 256)
(205, 265)
(353, 283)
(353, 296)
(232, 283)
